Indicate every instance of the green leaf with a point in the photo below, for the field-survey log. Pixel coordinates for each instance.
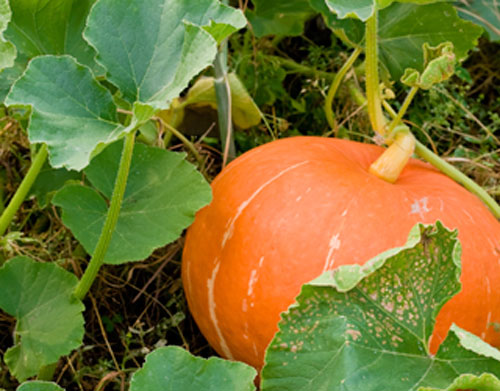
(360, 9)
(173, 368)
(39, 386)
(245, 112)
(51, 27)
(404, 28)
(279, 17)
(368, 327)
(71, 112)
(363, 9)
(485, 382)
(439, 65)
(49, 319)
(162, 195)
(7, 49)
(351, 31)
(485, 13)
(50, 180)
(151, 49)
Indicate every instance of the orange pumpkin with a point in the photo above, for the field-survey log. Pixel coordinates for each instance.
(289, 210)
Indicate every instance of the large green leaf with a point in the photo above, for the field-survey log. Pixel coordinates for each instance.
(51, 27)
(47, 27)
(49, 319)
(162, 195)
(7, 49)
(368, 327)
(485, 382)
(404, 28)
(39, 386)
(279, 17)
(151, 49)
(173, 368)
(71, 112)
(485, 13)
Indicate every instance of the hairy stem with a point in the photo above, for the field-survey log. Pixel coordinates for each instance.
(335, 85)
(111, 219)
(23, 190)
(395, 122)
(372, 79)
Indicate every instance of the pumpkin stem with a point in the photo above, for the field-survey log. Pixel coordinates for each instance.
(390, 164)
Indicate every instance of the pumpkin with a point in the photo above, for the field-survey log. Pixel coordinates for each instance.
(289, 210)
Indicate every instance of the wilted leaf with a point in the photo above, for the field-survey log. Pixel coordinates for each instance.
(245, 112)
(49, 319)
(173, 368)
(71, 112)
(368, 327)
(439, 65)
(163, 193)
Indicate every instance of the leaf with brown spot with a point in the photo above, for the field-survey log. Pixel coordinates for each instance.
(368, 327)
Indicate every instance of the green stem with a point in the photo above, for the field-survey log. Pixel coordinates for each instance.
(452, 172)
(295, 67)
(335, 85)
(458, 176)
(187, 143)
(23, 190)
(372, 79)
(111, 219)
(401, 112)
(224, 104)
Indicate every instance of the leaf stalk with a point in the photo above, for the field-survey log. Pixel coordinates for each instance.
(395, 122)
(23, 190)
(111, 219)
